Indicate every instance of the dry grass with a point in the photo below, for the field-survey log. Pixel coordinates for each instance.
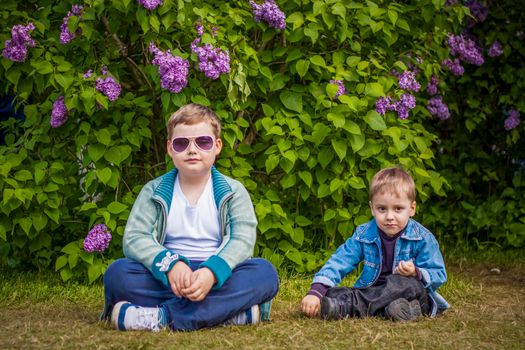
(488, 312)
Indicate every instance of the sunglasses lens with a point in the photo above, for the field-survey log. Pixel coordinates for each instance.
(180, 144)
(204, 142)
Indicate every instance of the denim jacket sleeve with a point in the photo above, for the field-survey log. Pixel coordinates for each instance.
(239, 235)
(344, 260)
(431, 264)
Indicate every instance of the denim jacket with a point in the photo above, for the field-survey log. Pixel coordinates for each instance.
(416, 244)
(145, 230)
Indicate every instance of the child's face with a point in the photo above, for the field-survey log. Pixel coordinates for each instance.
(392, 211)
(195, 160)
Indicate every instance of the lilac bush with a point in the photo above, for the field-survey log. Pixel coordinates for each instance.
(404, 105)
(384, 104)
(109, 87)
(477, 10)
(16, 48)
(65, 35)
(59, 113)
(438, 108)
(213, 61)
(432, 86)
(454, 66)
(407, 81)
(150, 4)
(466, 49)
(270, 13)
(98, 238)
(341, 90)
(495, 49)
(513, 120)
(173, 70)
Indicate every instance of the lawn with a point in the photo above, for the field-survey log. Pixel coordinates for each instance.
(38, 311)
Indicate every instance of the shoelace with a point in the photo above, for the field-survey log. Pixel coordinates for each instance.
(146, 320)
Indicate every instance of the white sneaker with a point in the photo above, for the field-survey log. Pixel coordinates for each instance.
(126, 316)
(250, 316)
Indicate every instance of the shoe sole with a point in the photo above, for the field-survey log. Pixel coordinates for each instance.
(402, 310)
(326, 306)
(115, 313)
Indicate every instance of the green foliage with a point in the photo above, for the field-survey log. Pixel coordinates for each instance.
(305, 156)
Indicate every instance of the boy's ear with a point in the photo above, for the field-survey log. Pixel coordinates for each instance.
(218, 146)
(413, 208)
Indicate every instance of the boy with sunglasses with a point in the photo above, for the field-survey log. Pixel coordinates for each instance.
(188, 243)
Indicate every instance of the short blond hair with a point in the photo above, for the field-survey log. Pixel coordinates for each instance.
(394, 180)
(191, 114)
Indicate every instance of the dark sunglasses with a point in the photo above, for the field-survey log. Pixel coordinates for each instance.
(204, 143)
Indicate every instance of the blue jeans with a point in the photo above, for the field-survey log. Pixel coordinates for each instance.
(253, 282)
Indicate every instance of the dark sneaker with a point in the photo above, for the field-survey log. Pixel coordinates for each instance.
(335, 309)
(403, 310)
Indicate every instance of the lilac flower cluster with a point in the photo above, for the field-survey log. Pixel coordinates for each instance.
(407, 81)
(213, 61)
(495, 49)
(88, 74)
(432, 86)
(467, 50)
(478, 11)
(150, 4)
(97, 239)
(513, 120)
(402, 107)
(341, 90)
(58, 113)
(438, 108)
(173, 70)
(65, 35)
(109, 87)
(455, 66)
(451, 2)
(16, 48)
(270, 13)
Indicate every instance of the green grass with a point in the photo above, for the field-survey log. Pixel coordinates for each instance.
(37, 310)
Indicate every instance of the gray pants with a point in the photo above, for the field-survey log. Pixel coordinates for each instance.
(371, 301)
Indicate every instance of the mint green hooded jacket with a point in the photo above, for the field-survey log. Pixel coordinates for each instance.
(145, 230)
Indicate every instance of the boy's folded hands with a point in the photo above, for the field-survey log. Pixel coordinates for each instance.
(193, 285)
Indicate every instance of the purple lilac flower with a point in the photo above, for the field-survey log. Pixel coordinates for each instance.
(270, 13)
(455, 66)
(109, 87)
(384, 104)
(88, 74)
(150, 4)
(200, 29)
(104, 70)
(214, 31)
(395, 73)
(173, 70)
(213, 61)
(478, 11)
(16, 48)
(432, 86)
(341, 90)
(58, 113)
(404, 105)
(65, 35)
(407, 81)
(438, 108)
(467, 50)
(495, 49)
(451, 2)
(513, 120)
(98, 238)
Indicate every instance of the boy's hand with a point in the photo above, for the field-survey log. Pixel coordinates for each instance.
(179, 277)
(201, 282)
(310, 305)
(406, 268)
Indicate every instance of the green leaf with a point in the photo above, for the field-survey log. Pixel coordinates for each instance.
(374, 90)
(113, 155)
(306, 177)
(356, 182)
(94, 272)
(116, 207)
(26, 224)
(60, 262)
(23, 175)
(104, 175)
(357, 142)
(340, 148)
(71, 248)
(43, 67)
(392, 15)
(318, 61)
(64, 80)
(352, 127)
(302, 67)
(103, 136)
(292, 100)
(96, 151)
(39, 221)
(338, 119)
(375, 121)
(66, 274)
(295, 256)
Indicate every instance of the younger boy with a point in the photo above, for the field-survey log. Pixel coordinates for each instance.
(188, 242)
(402, 264)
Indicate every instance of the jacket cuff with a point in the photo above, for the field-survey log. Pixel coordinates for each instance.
(220, 269)
(425, 278)
(163, 263)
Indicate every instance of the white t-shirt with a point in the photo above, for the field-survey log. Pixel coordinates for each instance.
(193, 231)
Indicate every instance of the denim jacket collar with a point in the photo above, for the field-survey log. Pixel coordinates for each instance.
(370, 233)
